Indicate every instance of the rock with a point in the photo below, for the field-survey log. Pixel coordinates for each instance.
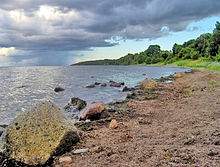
(64, 161)
(111, 109)
(22, 86)
(96, 149)
(217, 142)
(148, 85)
(58, 89)
(103, 85)
(90, 86)
(92, 111)
(126, 89)
(4, 126)
(35, 136)
(97, 83)
(76, 102)
(80, 151)
(131, 95)
(190, 141)
(179, 75)
(122, 83)
(1, 132)
(116, 84)
(113, 124)
(212, 153)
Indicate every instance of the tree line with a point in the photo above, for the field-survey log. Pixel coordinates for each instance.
(206, 46)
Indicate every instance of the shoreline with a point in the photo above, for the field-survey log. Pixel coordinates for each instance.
(140, 118)
(129, 114)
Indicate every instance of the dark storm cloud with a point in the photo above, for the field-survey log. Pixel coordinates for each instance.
(82, 24)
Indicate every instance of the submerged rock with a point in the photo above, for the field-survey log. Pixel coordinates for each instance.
(92, 111)
(58, 89)
(90, 86)
(103, 85)
(97, 83)
(3, 126)
(35, 136)
(116, 84)
(77, 103)
(127, 89)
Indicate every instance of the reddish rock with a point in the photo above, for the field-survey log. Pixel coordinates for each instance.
(92, 111)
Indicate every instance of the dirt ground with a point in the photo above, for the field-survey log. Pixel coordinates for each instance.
(179, 127)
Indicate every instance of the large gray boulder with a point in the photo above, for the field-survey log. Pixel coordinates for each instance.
(35, 136)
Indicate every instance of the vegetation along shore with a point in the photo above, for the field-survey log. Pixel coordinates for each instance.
(203, 52)
(172, 121)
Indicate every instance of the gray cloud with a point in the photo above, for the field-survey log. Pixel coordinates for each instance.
(66, 25)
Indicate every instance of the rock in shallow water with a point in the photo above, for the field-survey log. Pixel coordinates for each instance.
(76, 102)
(91, 86)
(1, 132)
(37, 135)
(58, 89)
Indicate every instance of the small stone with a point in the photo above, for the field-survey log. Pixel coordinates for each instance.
(103, 85)
(190, 141)
(97, 83)
(1, 132)
(4, 126)
(127, 89)
(59, 89)
(212, 153)
(97, 149)
(179, 75)
(217, 143)
(131, 95)
(65, 160)
(111, 109)
(90, 86)
(81, 151)
(113, 124)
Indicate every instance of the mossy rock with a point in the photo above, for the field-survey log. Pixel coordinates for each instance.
(148, 85)
(35, 136)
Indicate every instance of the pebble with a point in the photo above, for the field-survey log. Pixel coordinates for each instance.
(97, 149)
(81, 151)
(113, 124)
(65, 160)
(212, 153)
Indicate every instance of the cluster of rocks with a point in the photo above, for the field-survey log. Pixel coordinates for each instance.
(111, 83)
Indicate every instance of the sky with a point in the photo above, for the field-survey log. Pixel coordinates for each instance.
(55, 32)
